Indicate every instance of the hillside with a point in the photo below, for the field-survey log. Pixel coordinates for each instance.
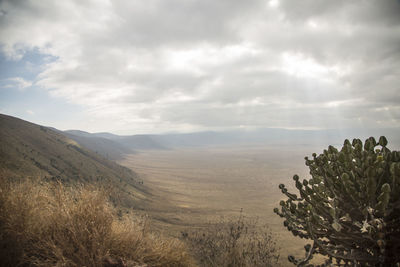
(28, 150)
(112, 146)
(107, 148)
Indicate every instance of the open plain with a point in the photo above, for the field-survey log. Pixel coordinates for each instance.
(194, 186)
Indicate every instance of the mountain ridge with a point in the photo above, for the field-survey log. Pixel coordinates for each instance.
(261, 136)
(28, 150)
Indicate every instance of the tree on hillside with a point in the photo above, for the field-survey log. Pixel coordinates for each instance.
(350, 208)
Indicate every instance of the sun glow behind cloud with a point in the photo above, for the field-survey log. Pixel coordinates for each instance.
(196, 59)
(299, 65)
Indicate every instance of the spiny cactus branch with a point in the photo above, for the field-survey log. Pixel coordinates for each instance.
(308, 256)
(351, 205)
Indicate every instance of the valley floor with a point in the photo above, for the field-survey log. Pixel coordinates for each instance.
(199, 185)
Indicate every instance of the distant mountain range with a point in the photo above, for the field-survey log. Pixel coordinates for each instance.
(103, 146)
(115, 146)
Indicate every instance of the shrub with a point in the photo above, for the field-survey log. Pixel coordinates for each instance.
(350, 207)
(233, 243)
(53, 225)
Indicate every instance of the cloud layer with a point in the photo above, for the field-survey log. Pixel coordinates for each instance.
(156, 66)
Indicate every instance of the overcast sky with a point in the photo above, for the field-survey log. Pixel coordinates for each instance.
(191, 65)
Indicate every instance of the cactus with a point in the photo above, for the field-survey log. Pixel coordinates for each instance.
(350, 208)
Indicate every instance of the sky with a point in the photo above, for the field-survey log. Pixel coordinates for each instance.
(157, 66)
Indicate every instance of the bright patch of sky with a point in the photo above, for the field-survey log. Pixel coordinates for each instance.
(179, 66)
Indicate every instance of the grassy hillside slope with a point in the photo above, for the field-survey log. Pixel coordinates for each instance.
(29, 150)
(103, 146)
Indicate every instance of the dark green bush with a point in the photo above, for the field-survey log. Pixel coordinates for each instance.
(350, 208)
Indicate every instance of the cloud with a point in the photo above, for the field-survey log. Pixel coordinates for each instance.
(188, 65)
(363, 13)
(16, 82)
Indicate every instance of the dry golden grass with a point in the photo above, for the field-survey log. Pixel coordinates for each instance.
(240, 242)
(53, 225)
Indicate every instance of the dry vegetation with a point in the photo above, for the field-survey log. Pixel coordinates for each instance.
(50, 224)
(53, 225)
(238, 242)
